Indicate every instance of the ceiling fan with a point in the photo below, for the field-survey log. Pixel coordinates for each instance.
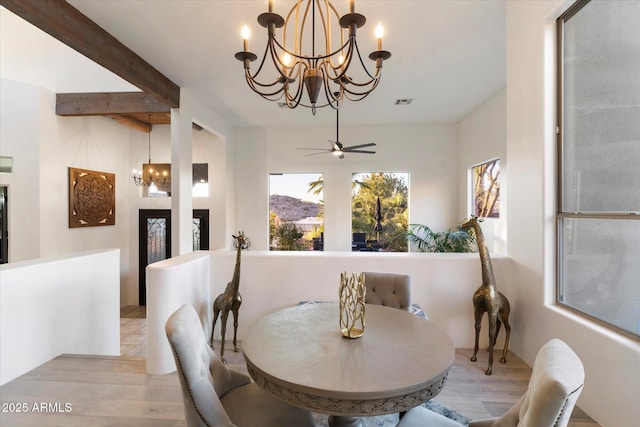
(337, 149)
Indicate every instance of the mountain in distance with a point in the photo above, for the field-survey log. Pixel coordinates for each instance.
(291, 208)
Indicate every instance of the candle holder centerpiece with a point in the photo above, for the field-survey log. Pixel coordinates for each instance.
(352, 293)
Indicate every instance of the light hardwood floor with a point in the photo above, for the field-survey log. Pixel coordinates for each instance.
(116, 391)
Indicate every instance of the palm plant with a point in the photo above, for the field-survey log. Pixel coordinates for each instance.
(427, 240)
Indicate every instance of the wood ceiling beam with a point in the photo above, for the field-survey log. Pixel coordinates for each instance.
(109, 103)
(64, 22)
(132, 122)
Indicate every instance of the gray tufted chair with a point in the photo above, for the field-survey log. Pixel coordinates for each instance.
(389, 289)
(215, 396)
(554, 387)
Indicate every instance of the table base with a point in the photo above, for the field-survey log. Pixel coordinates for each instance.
(340, 421)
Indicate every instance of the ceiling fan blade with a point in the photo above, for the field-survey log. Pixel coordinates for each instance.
(360, 151)
(315, 154)
(371, 144)
(315, 149)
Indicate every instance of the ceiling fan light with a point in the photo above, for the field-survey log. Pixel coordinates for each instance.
(337, 149)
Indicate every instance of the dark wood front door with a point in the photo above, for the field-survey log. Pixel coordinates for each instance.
(154, 228)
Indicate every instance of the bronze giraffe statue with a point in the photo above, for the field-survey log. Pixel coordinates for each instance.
(230, 299)
(488, 299)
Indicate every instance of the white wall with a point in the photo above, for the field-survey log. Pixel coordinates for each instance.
(56, 305)
(185, 279)
(427, 152)
(20, 137)
(44, 146)
(211, 149)
(93, 143)
(442, 284)
(611, 363)
(482, 137)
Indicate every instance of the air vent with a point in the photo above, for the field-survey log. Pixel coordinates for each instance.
(404, 101)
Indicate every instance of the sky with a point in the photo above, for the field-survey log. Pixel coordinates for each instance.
(297, 184)
(294, 185)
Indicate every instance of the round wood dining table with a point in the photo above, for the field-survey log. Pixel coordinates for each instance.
(299, 355)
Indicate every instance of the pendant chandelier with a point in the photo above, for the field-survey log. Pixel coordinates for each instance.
(324, 70)
(148, 177)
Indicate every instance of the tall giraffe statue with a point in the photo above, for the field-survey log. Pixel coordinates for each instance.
(488, 299)
(230, 299)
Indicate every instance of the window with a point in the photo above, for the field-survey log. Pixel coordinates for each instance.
(6, 164)
(599, 162)
(485, 194)
(200, 173)
(200, 177)
(379, 211)
(296, 212)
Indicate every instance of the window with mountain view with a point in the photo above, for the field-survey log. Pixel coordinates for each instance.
(296, 208)
(379, 211)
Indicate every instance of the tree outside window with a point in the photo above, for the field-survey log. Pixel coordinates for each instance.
(486, 189)
(379, 211)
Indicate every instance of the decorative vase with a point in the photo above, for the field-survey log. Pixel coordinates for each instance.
(352, 293)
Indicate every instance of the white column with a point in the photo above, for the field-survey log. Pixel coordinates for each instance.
(337, 214)
(181, 177)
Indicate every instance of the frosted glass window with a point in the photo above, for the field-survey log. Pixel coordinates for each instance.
(599, 275)
(599, 162)
(601, 108)
(195, 232)
(156, 239)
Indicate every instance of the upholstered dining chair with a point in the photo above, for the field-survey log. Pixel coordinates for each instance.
(216, 396)
(389, 289)
(556, 382)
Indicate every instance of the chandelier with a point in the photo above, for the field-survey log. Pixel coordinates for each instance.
(148, 177)
(325, 69)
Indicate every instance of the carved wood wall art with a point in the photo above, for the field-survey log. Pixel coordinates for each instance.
(92, 198)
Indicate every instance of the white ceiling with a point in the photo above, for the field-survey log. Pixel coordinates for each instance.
(448, 56)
